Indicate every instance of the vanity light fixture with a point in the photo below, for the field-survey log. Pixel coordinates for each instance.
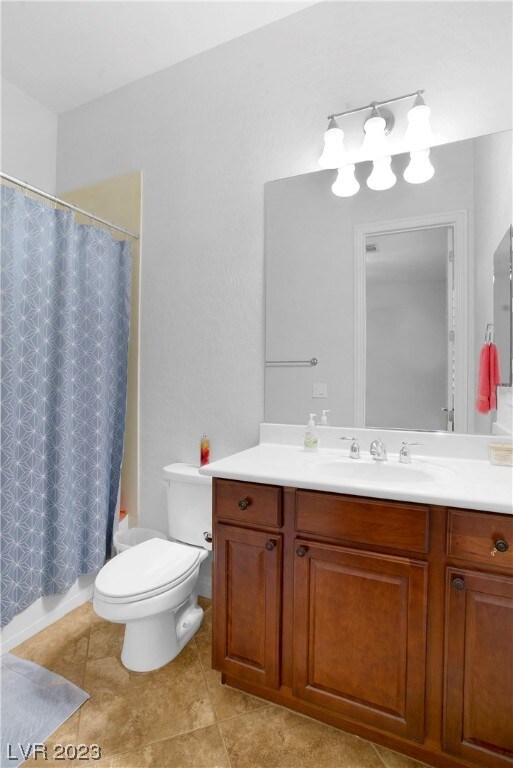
(418, 133)
(418, 139)
(334, 155)
(382, 176)
(346, 184)
(419, 168)
(376, 130)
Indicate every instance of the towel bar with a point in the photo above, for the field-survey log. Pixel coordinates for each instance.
(312, 361)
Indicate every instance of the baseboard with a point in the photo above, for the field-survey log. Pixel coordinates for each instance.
(30, 621)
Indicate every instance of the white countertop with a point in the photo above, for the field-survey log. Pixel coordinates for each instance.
(445, 480)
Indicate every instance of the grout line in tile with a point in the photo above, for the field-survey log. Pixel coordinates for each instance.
(224, 745)
(380, 757)
(166, 738)
(265, 705)
(306, 717)
(87, 652)
(84, 678)
(216, 721)
(203, 673)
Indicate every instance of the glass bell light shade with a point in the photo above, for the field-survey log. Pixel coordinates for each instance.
(333, 154)
(375, 141)
(345, 184)
(382, 176)
(418, 133)
(419, 168)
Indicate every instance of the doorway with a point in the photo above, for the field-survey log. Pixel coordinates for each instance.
(410, 371)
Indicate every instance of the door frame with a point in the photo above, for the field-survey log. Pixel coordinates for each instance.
(463, 303)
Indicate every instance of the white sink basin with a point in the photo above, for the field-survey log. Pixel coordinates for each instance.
(378, 472)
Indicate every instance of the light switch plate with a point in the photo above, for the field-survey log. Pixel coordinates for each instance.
(320, 390)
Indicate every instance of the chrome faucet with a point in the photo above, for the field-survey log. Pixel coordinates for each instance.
(378, 450)
(405, 453)
(354, 451)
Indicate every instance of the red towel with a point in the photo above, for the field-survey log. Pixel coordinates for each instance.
(495, 377)
(489, 378)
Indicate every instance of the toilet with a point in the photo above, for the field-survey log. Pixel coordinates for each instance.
(151, 588)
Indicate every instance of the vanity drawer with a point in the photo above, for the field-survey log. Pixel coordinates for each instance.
(363, 521)
(247, 502)
(473, 536)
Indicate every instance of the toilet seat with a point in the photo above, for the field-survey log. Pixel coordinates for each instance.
(146, 570)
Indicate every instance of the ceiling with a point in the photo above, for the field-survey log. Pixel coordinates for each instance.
(65, 54)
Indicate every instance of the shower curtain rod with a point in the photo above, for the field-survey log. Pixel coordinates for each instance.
(72, 207)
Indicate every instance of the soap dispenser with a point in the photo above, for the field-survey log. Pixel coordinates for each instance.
(324, 419)
(311, 441)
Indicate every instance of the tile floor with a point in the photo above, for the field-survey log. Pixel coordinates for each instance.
(181, 716)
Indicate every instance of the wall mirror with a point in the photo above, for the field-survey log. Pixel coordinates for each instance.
(502, 305)
(377, 305)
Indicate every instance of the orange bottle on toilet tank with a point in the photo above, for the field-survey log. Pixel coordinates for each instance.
(204, 450)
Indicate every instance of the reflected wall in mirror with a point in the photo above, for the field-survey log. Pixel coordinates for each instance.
(502, 331)
(407, 292)
(397, 330)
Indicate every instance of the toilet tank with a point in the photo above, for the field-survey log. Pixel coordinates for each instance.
(189, 504)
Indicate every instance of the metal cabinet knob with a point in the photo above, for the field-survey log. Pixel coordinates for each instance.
(501, 545)
(243, 504)
(301, 551)
(270, 545)
(458, 584)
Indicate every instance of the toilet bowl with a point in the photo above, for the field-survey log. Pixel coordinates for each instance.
(152, 587)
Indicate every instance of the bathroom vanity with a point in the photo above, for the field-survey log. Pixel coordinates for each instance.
(391, 618)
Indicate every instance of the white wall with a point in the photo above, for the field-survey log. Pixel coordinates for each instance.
(28, 138)
(208, 133)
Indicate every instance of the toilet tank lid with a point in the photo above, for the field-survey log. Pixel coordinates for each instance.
(186, 473)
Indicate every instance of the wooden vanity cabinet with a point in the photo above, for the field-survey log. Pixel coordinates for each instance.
(478, 712)
(247, 582)
(247, 616)
(349, 610)
(478, 702)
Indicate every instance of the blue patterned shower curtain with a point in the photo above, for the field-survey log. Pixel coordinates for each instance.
(65, 311)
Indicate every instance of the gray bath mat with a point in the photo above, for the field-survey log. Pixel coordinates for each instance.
(34, 703)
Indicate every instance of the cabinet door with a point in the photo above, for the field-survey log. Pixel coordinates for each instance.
(360, 635)
(247, 604)
(478, 708)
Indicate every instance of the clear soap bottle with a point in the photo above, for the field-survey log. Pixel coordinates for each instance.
(311, 441)
(324, 418)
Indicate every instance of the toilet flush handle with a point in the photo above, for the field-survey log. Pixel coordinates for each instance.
(207, 536)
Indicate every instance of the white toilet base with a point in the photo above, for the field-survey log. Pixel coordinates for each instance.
(156, 640)
(150, 643)
(158, 626)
